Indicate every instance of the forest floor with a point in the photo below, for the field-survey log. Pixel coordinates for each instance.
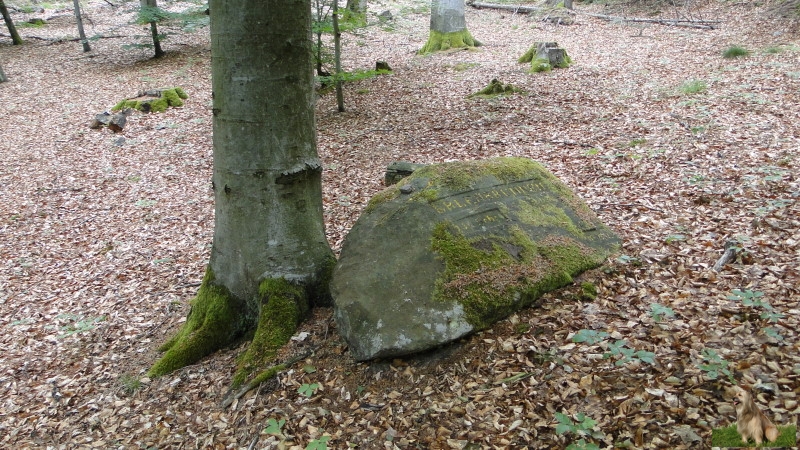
(104, 238)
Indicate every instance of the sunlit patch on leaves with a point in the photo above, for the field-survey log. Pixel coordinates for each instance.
(145, 203)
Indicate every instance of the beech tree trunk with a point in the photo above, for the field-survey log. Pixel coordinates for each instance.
(448, 27)
(12, 30)
(2, 74)
(153, 28)
(270, 259)
(79, 19)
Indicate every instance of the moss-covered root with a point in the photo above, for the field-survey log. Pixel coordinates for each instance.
(214, 322)
(445, 41)
(283, 306)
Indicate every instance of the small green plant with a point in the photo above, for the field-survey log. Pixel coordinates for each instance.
(637, 142)
(308, 390)
(319, 444)
(275, 427)
(735, 51)
(588, 292)
(80, 324)
(632, 260)
(773, 49)
(591, 337)
(715, 365)
(753, 299)
(672, 238)
(659, 311)
(620, 348)
(583, 445)
(130, 383)
(582, 427)
(693, 87)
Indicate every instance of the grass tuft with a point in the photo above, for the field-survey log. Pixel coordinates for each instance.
(735, 51)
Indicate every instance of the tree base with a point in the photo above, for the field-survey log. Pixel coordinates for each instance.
(445, 41)
(214, 322)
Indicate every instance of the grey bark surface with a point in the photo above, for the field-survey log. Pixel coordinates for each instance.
(447, 16)
(12, 29)
(337, 57)
(79, 20)
(2, 74)
(153, 28)
(267, 175)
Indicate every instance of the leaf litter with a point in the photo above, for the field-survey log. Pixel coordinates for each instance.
(104, 240)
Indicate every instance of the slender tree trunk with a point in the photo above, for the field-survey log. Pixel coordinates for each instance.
(337, 56)
(2, 74)
(12, 30)
(79, 19)
(270, 258)
(153, 28)
(448, 27)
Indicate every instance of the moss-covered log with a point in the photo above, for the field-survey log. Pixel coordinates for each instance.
(495, 89)
(154, 101)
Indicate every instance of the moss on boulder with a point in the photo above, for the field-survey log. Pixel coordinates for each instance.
(454, 248)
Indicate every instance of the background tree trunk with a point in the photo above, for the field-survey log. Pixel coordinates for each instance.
(79, 19)
(12, 30)
(2, 74)
(153, 28)
(448, 27)
(268, 232)
(337, 56)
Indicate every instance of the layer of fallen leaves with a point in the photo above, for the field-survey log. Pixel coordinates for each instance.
(104, 238)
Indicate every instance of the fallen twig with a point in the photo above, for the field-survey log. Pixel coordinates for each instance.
(687, 23)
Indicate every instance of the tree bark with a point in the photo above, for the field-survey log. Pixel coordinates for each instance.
(2, 74)
(270, 259)
(337, 57)
(12, 30)
(79, 19)
(153, 28)
(448, 27)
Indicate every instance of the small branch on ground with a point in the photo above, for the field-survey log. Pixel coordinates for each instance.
(732, 250)
(686, 23)
(264, 376)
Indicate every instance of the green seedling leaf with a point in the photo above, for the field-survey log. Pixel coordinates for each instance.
(319, 444)
(591, 337)
(274, 427)
(308, 390)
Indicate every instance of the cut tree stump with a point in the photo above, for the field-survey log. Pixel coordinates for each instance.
(153, 100)
(544, 56)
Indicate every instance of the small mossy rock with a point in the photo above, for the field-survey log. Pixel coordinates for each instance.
(495, 89)
(455, 247)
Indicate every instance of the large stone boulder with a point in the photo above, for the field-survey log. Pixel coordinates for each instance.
(454, 248)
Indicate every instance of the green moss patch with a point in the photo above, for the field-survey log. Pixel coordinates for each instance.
(496, 89)
(283, 306)
(494, 277)
(214, 322)
(147, 102)
(438, 41)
